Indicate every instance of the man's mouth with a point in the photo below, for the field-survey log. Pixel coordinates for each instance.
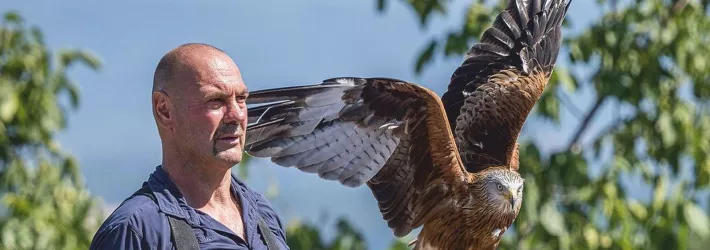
(230, 138)
(230, 135)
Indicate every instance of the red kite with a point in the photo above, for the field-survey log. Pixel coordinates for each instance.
(448, 164)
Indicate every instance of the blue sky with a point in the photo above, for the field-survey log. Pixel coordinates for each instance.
(275, 43)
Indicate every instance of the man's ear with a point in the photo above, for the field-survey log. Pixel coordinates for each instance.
(162, 110)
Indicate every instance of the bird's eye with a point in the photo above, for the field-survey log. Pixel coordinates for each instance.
(500, 187)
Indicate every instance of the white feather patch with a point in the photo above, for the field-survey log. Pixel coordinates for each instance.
(342, 151)
(498, 232)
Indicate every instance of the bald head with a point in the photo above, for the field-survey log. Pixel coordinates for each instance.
(184, 62)
(199, 104)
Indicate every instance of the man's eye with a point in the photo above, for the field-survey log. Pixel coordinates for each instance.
(214, 103)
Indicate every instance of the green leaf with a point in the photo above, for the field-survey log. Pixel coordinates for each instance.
(381, 5)
(665, 127)
(548, 106)
(531, 194)
(696, 219)
(659, 194)
(13, 16)
(425, 57)
(244, 166)
(637, 209)
(591, 236)
(69, 56)
(622, 163)
(552, 220)
(398, 245)
(585, 193)
(8, 106)
(565, 79)
(610, 190)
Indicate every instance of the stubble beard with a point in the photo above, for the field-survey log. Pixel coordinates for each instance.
(232, 155)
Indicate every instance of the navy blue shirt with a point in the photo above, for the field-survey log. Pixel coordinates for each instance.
(140, 223)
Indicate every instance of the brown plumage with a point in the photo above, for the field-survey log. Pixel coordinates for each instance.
(446, 164)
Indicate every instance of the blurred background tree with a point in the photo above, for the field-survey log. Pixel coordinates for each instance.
(44, 202)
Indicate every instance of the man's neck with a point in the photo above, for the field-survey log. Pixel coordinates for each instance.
(201, 187)
(207, 189)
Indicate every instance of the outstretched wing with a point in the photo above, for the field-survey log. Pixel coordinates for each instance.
(491, 94)
(391, 134)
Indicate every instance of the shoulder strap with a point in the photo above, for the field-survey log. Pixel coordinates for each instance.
(268, 235)
(181, 233)
(145, 190)
(266, 232)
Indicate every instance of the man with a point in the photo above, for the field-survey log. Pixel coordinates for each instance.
(199, 107)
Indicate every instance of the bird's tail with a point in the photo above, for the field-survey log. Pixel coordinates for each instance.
(526, 35)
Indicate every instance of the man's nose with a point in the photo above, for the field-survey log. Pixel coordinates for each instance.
(235, 113)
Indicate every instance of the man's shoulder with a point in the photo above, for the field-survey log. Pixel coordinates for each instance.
(137, 206)
(135, 213)
(134, 224)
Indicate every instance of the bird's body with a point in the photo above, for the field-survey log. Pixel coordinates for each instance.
(448, 165)
(450, 226)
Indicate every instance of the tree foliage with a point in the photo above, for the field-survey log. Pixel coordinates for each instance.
(308, 236)
(44, 202)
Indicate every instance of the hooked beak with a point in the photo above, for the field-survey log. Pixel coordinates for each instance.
(510, 196)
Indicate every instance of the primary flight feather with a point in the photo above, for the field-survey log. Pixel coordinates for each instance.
(446, 164)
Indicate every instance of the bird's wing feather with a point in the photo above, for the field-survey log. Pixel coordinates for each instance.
(346, 129)
(391, 134)
(491, 94)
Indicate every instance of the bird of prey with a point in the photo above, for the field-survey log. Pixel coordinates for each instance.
(449, 164)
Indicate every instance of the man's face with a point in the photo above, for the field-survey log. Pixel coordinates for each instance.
(211, 115)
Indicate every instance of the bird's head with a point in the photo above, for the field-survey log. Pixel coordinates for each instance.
(503, 190)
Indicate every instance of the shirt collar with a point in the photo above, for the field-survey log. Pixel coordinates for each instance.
(168, 196)
(172, 202)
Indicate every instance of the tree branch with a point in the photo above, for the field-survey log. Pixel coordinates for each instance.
(585, 123)
(562, 96)
(611, 128)
(679, 5)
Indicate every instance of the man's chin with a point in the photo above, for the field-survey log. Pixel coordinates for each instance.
(231, 156)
